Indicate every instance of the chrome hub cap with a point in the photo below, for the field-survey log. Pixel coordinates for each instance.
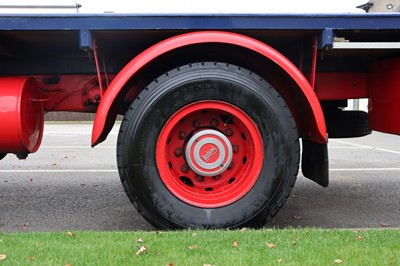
(209, 153)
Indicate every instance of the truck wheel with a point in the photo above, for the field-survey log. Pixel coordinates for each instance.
(208, 145)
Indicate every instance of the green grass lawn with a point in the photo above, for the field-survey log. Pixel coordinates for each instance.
(221, 247)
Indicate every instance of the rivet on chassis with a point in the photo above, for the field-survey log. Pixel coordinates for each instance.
(182, 134)
(231, 165)
(228, 132)
(178, 152)
(185, 168)
(235, 148)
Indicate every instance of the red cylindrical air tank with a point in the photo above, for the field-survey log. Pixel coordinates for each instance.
(21, 115)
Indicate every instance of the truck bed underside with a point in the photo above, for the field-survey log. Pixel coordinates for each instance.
(342, 55)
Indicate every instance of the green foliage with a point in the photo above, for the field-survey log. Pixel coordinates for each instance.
(220, 247)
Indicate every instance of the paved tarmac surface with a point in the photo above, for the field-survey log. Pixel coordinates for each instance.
(67, 185)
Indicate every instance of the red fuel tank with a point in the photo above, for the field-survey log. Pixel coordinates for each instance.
(21, 115)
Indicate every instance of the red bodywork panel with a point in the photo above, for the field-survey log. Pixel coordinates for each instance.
(341, 85)
(317, 131)
(384, 96)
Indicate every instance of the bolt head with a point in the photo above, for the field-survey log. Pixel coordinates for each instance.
(196, 124)
(178, 152)
(229, 132)
(235, 148)
(214, 122)
(199, 178)
(217, 177)
(185, 168)
(182, 134)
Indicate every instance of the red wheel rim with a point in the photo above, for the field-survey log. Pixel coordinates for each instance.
(209, 154)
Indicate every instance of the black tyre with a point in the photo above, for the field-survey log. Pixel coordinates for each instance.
(208, 145)
(347, 124)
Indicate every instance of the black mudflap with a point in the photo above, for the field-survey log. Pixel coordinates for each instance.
(315, 163)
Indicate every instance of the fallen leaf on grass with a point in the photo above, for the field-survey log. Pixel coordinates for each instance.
(71, 234)
(235, 244)
(271, 245)
(24, 226)
(194, 234)
(3, 257)
(69, 264)
(207, 265)
(243, 229)
(158, 232)
(385, 225)
(140, 240)
(32, 258)
(279, 260)
(359, 238)
(141, 250)
(170, 264)
(338, 261)
(296, 217)
(193, 247)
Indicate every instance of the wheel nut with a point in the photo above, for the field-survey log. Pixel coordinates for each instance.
(196, 124)
(214, 122)
(185, 168)
(229, 132)
(178, 152)
(217, 177)
(182, 134)
(231, 165)
(199, 178)
(235, 148)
